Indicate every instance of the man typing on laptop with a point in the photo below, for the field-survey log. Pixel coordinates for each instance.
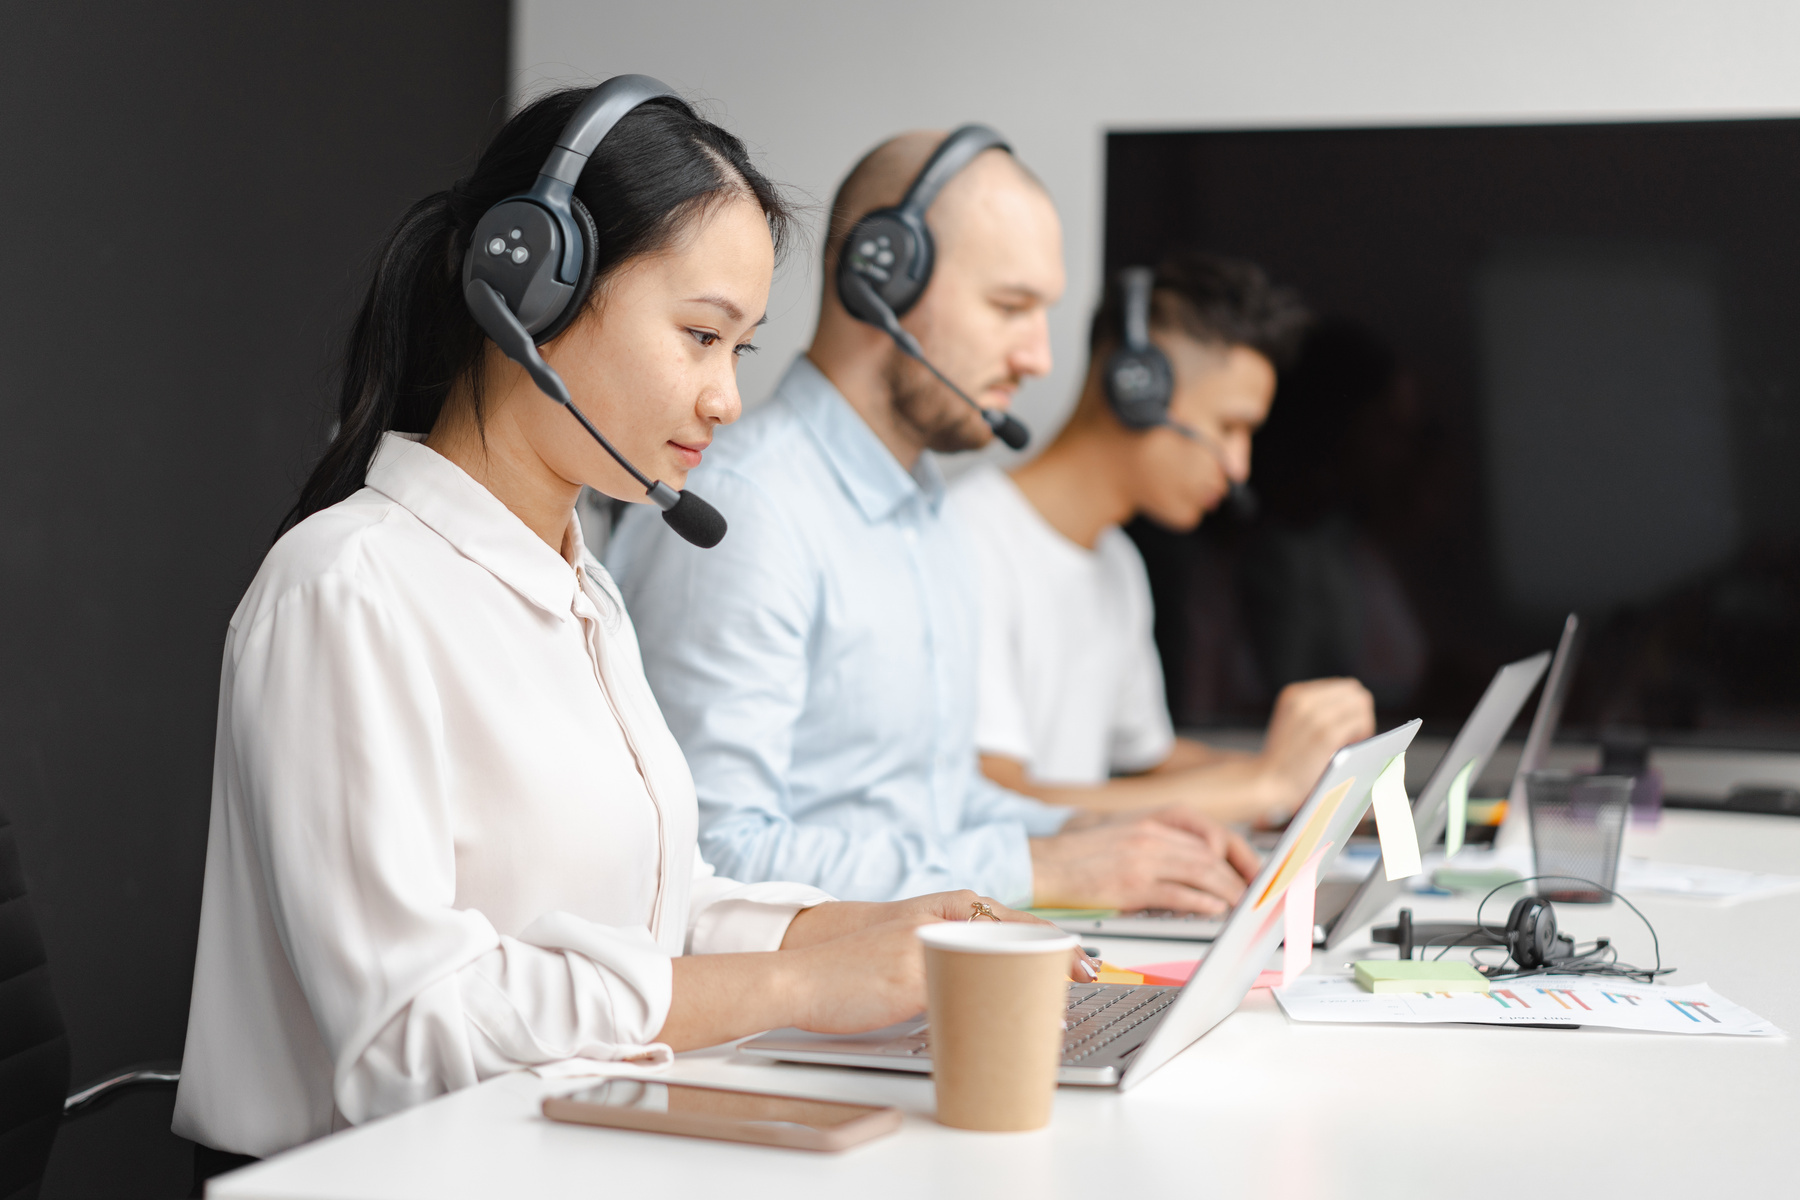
(818, 666)
(1072, 710)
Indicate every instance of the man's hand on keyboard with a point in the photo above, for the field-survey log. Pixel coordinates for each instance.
(1169, 859)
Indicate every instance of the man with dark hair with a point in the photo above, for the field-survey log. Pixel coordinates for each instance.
(818, 665)
(1071, 706)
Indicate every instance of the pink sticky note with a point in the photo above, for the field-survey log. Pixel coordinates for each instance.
(1167, 973)
(1268, 979)
(1297, 917)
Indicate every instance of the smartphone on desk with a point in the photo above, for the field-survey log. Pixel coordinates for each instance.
(706, 1112)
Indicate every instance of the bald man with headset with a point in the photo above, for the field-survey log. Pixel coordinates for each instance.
(818, 666)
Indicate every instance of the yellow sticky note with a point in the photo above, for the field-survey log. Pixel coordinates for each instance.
(1308, 839)
(1112, 974)
(1393, 820)
(1459, 810)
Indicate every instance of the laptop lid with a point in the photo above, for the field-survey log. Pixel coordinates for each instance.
(1475, 743)
(1253, 930)
(1549, 709)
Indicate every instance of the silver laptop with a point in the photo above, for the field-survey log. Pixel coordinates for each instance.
(1481, 735)
(1549, 709)
(1118, 1033)
(1341, 905)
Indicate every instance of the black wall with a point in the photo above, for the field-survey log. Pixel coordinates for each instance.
(189, 194)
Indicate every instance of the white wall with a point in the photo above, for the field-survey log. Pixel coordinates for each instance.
(811, 84)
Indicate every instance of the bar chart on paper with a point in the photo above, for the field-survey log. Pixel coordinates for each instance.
(1536, 1000)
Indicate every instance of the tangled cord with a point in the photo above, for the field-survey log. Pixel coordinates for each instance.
(1599, 959)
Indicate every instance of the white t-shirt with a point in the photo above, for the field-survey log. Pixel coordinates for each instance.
(1070, 682)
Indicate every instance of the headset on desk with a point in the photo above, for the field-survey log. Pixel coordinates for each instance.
(1535, 947)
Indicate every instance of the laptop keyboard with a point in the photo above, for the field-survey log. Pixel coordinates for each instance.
(1102, 1013)
(1098, 1015)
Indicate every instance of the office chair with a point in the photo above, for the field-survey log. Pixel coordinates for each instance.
(34, 1048)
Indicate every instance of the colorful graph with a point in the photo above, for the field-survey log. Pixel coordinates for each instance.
(1566, 998)
(1501, 996)
(1688, 1009)
(1621, 998)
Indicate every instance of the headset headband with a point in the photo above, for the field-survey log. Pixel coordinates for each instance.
(1137, 284)
(952, 155)
(603, 109)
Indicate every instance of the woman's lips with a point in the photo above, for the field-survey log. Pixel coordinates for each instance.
(689, 455)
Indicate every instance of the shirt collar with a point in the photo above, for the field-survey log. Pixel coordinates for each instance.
(865, 467)
(474, 521)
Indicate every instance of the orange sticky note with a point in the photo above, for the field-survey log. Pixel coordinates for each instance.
(1309, 837)
(1297, 917)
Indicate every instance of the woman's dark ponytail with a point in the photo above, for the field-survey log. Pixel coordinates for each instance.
(413, 341)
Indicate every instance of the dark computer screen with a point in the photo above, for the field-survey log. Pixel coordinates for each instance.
(1554, 368)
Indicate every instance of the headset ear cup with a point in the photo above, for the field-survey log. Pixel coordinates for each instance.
(584, 284)
(1530, 932)
(1139, 386)
(893, 253)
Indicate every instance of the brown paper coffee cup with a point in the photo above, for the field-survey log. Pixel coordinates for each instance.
(997, 997)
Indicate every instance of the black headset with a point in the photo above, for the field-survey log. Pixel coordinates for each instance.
(530, 266)
(885, 264)
(1140, 382)
(1531, 936)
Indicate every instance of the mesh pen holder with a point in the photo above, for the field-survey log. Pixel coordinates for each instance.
(1577, 827)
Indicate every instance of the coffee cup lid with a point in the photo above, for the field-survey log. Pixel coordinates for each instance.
(990, 937)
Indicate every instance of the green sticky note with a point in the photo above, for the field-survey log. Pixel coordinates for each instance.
(1483, 879)
(1392, 975)
(1459, 810)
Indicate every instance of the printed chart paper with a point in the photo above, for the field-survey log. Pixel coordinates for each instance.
(1538, 1000)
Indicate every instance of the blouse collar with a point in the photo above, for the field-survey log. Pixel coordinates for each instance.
(472, 519)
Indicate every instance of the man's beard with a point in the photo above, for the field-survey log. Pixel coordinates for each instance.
(945, 423)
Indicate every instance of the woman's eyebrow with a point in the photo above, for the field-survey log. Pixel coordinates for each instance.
(725, 305)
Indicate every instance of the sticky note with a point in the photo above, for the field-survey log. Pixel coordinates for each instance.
(1112, 974)
(1402, 975)
(1309, 837)
(1167, 974)
(1459, 810)
(1393, 820)
(1297, 931)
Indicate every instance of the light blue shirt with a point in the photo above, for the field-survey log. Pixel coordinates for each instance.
(818, 666)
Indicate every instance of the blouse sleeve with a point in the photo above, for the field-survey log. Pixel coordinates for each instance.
(337, 764)
(728, 917)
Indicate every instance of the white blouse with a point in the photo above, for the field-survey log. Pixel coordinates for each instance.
(451, 835)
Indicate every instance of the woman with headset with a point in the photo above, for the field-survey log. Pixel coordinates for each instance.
(451, 835)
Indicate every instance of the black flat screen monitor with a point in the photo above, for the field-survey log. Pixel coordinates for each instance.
(1554, 368)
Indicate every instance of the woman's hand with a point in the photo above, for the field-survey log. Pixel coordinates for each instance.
(844, 967)
(823, 922)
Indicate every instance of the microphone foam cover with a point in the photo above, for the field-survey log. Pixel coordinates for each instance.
(1244, 503)
(697, 521)
(1011, 430)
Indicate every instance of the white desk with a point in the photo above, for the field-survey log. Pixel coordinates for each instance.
(1261, 1106)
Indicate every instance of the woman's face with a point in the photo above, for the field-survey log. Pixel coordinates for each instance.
(654, 364)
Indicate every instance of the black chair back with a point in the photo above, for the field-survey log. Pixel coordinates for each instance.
(34, 1051)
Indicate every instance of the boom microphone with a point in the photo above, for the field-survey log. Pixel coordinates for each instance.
(1006, 427)
(684, 512)
(1241, 500)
